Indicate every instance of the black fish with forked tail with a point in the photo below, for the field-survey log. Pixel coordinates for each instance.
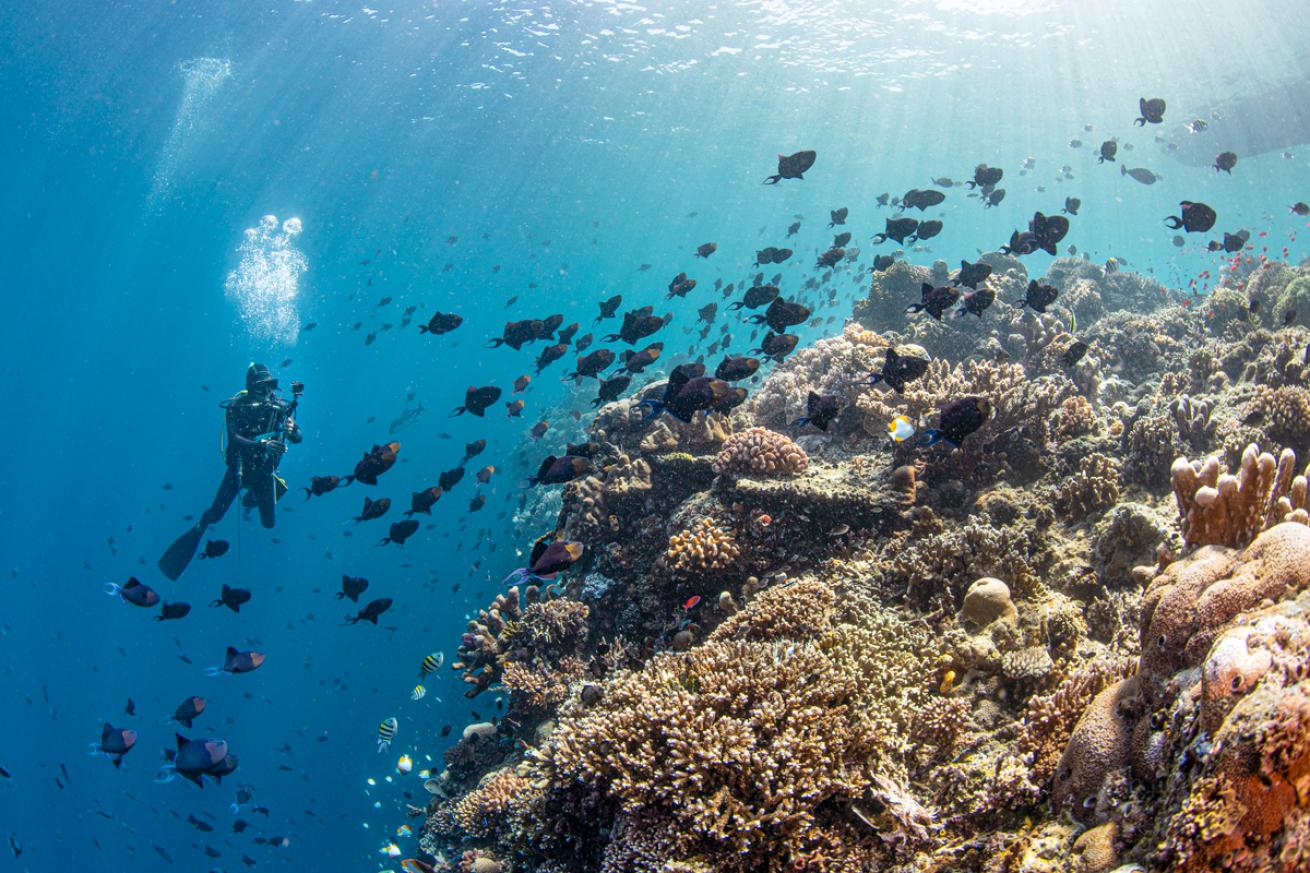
(636, 362)
(972, 275)
(591, 365)
(548, 559)
(370, 612)
(440, 323)
(611, 389)
(1152, 111)
(375, 462)
(400, 531)
(820, 410)
(517, 333)
(756, 296)
(898, 229)
(232, 598)
(1039, 296)
(777, 345)
(557, 471)
(686, 394)
(373, 509)
(351, 587)
(423, 501)
(934, 300)
(901, 366)
(320, 485)
(792, 166)
(1194, 218)
(477, 400)
(958, 420)
(782, 314)
(608, 308)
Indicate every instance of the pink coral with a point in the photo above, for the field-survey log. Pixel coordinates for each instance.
(761, 452)
(1186, 606)
(1098, 749)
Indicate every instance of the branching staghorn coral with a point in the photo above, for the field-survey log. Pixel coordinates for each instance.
(735, 743)
(542, 632)
(827, 367)
(594, 501)
(799, 611)
(1049, 719)
(703, 433)
(1093, 487)
(478, 813)
(1075, 418)
(1286, 411)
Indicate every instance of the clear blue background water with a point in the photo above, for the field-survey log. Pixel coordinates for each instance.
(565, 144)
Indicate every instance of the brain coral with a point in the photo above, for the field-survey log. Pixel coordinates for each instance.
(1186, 606)
(761, 452)
(1097, 750)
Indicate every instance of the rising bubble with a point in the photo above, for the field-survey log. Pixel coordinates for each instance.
(266, 282)
(202, 78)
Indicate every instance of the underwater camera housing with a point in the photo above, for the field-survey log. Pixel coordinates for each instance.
(297, 389)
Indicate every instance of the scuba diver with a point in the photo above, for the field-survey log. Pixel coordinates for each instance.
(258, 426)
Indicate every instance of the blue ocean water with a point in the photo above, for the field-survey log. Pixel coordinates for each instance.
(451, 156)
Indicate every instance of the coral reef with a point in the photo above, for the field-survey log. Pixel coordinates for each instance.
(1059, 646)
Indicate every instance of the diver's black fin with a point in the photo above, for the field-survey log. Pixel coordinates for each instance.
(175, 561)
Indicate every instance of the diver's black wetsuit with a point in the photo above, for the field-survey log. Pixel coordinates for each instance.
(252, 463)
(259, 425)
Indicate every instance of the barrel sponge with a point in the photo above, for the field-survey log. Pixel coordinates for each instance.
(1186, 606)
(1097, 748)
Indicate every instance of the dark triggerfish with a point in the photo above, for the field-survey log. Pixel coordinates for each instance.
(375, 462)
(958, 419)
(902, 365)
(370, 612)
(820, 410)
(792, 166)
(478, 399)
(352, 587)
(400, 531)
(934, 300)
(1195, 218)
